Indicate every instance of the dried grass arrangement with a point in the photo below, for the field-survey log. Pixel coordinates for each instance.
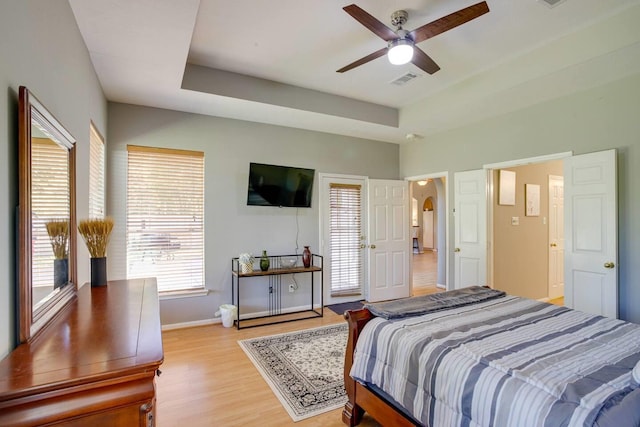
(58, 230)
(95, 233)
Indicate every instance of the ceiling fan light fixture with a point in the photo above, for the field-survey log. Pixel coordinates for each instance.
(400, 51)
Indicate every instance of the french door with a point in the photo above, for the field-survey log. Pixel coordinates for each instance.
(364, 238)
(343, 242)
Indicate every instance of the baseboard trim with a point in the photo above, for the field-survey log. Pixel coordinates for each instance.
(195, 323)
(545, 299)
(283, 311)
(215, 320)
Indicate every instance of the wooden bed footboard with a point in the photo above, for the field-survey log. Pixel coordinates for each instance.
(356, 319)
(362, 399)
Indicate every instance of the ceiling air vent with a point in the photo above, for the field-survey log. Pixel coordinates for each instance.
(403, 80)
(551, 3)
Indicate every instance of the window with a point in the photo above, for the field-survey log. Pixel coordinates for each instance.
(96, 174)
(49, 180)
(165, 217)
(345, 238)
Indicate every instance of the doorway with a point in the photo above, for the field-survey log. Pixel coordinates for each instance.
(527, 233)
(429, 233)
(364, 238)
(343, 219)
(589, 231)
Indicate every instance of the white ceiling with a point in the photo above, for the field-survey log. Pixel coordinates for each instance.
(274, 61)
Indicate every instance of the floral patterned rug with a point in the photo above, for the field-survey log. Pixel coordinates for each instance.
(304, 368)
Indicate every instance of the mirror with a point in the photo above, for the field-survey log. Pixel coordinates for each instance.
(47, 224)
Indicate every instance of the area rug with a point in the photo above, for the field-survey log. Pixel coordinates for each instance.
(304, 368)
(344, 306)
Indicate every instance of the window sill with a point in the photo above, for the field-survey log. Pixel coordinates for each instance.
(166, 295)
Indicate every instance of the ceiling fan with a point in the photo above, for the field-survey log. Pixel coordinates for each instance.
(401, 47)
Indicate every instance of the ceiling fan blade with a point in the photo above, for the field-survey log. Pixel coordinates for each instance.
(424, 61)
(370, 57)
(375, 26)
(448, 22)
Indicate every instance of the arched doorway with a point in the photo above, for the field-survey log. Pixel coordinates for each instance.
(429, 205)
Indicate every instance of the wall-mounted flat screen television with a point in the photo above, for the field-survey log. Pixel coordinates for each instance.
(284, 186)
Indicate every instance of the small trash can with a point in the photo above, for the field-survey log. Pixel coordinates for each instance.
(228, 314)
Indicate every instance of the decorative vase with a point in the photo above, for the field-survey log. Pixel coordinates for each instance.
(98, 272)
(246, 267)
(306, 257)
(264, 261)
(60, 272)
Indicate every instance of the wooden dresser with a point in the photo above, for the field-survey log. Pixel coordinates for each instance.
(94, 365)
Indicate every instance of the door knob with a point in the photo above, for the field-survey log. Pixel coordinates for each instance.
(456, 250)
(553, 245)
(609, 265)
(373, 246)
(362, 246)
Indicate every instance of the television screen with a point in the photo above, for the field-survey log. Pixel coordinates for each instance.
(271, 185)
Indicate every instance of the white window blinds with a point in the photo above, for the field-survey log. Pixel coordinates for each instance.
(345, 239)
(49, 181)
(96, 174)
(165, 217)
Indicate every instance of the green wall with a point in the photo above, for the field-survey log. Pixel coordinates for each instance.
(597, 119)
(232, 227)
(41, 48)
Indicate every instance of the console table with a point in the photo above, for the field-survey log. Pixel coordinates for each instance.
(94, 365)
(276, 313)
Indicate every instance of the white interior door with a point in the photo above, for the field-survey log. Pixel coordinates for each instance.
(470, 228)
(591, 273)
(389, 248)
(556, 236)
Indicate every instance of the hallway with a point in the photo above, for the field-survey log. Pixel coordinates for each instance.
(425, 269)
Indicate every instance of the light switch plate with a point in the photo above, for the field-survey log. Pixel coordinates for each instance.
(515, 220)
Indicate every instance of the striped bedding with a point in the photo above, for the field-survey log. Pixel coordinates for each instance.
(505, 362)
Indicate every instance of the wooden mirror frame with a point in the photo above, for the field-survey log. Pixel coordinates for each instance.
(32, 321)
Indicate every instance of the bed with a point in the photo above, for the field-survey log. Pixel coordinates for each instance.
(479, 357)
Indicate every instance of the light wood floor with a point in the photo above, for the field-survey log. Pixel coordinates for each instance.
(207, 380)
(557, 301)
(425, 269)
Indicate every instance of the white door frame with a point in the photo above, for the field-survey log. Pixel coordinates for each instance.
(492, 193)
(323, 203)
(442, 252)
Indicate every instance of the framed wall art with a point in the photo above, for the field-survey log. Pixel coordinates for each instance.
(507, 194)
(532, 200)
